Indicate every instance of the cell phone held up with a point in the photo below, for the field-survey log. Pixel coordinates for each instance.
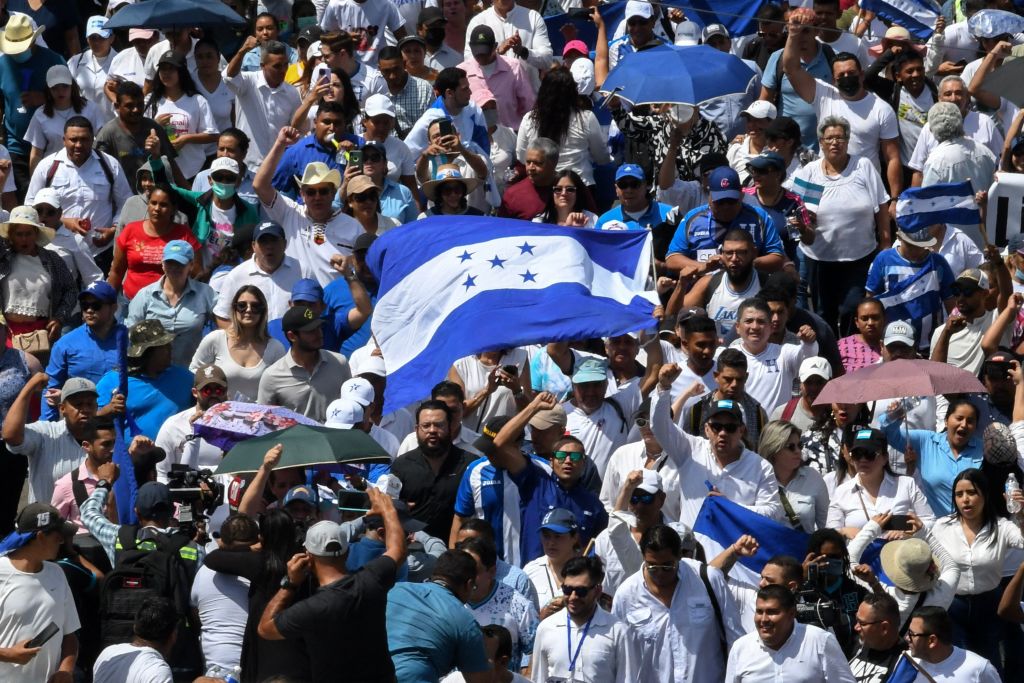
(445, 128)
(579, 13)
(898, 523)
(355, 158)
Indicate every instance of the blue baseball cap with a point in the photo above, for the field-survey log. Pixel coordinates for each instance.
(179, 251)
(591, 370)
(307, 290)
(101, 291)
(559, 520)
(301, 493)
(724, 183)
(267, 228)
(630, 171)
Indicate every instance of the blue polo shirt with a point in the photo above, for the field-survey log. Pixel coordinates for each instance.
(150, 400)
(615, 218)
(365, 549)
(80, 353)
(396, 202)
(339, 302)
(539, 492)
(699, 235)
(293, 163)
(793, 106)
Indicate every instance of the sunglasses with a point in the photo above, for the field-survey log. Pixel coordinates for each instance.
(580, 591)
(628, 184)
(642, 498)
(727, 427)
(365, 197)
(372, 158)
(574, 456)
(452, 188)
(318, 191)
(661, 567)
(863, 454)
(243, 306)
(958, 290)
(213, 390)
(564, 189)
(92, 305)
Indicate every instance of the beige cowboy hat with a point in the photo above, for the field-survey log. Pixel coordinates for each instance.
(318, 172)
(27, 215)
(18, 35)
(909, 564)
(447, 173)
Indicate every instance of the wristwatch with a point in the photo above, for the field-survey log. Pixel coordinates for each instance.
(287, 585)
(103, 484)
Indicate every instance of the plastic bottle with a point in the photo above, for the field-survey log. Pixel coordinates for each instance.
(1012, 486)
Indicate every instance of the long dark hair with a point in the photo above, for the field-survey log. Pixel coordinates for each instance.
(557, 103)
(989, 513)
(185, 82)
(582, 193)
(278, 542)
(348, 95)
(77, 101)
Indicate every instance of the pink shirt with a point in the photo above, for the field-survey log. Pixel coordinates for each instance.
(510, 85)
(64, 497)
(856, 354)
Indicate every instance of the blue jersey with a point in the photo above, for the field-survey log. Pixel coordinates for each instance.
(912, 292)
(616, 219)
(699, 235)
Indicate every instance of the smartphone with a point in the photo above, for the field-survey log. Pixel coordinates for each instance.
(321, 74)
(47, 633)
(834, 567)
(353, 501)
(579, 13)
(510, 370)
(446, 127)
(355, 158)
(899, 523)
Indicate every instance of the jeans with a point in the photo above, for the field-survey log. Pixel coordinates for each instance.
(836, 288)
(976, 626)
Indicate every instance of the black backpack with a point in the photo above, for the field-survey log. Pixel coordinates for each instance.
(154, 566)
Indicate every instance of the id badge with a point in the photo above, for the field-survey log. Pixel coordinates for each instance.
(704, 255)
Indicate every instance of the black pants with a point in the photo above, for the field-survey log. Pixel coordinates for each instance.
(836, 288)
(19, 165)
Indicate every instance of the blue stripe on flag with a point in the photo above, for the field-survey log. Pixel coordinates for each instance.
(809, 192)
(918, 208)
(903, 672)
(917, 16)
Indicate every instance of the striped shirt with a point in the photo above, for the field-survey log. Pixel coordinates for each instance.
(52, 452)
(912, 292)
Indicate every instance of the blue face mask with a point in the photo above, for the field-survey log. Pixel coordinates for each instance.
(223, 190)
(22, 57)
(1019, 274)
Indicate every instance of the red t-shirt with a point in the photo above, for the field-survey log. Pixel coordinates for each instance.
(145, 254)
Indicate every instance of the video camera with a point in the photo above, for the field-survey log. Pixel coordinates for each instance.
(813, 605)
(196, 503)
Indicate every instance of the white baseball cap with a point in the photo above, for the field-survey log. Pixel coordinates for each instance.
(651, 483)
(898, 331)
(96, 26)
(379, 104)
(815, 366)
(343, 414)
(48, 195)
(761, 109)
(358, 390)
(389, 485)
(225, 164)
(687, 33)
(635, 8)
(58, 74)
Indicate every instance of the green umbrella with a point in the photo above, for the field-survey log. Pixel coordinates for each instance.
(304, 446)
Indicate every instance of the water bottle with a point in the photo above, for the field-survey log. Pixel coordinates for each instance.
(234, 676)
(1012, 486)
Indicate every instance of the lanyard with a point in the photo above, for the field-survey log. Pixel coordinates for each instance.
(568, 639)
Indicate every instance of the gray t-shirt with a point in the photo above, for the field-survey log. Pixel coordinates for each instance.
(128, 148)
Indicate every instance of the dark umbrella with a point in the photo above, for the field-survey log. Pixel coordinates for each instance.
(169, 14)
(305, 446)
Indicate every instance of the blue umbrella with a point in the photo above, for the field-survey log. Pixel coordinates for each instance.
(677, 75)
(989, 23)
(167, 14)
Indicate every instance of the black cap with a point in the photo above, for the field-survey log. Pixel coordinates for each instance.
(867, 438)
(485, 442)
(429, 16)
(783, 127)
(364, 242)
(36, 517)
(482, 35)
(300, 319)
(377, 147)
(310, 34)
(175, 59)
(724, 406)
(411, 39)
(267, 228)
(712, 161)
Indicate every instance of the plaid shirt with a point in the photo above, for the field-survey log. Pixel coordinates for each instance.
(411, 102)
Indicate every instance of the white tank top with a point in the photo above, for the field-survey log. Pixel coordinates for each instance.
(724, 302)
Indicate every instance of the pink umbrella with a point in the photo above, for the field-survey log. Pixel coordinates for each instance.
(899, 379)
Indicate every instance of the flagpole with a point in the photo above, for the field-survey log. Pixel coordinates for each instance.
(981, 224)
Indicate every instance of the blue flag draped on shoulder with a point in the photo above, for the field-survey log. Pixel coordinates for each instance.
(452, 286)
(919, 208)
(917, 16)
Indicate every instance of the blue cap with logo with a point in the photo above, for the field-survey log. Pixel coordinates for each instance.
(630, 171)
(559, 520)
(724, 183)
(307, 290)
(179, 251)
(590, 370)
(866, 438)
(101, 291)
(299, 493)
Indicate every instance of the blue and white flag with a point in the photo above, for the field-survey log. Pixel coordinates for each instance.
(810, 193)
(452, 286)
(905, 671)
(917, 16)
(919, 208)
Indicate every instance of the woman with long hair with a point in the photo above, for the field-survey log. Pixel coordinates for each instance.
(822, 442)
(568, 203)
(62, 99)
(801, 488)
(978, 540)
(336, 88)
(175, 104)
(362, 202)
(559, 116)
(245, 349)
(210, 84)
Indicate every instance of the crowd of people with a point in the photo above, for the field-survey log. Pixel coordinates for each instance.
(186, 217)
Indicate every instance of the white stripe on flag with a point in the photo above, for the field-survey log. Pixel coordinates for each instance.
(418, 305)
(935, 204)
(915, 10)
(809, 192)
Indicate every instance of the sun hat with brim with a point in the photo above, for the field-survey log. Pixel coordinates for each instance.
(18, 35)
(447, 173)
(918, 238)
(27, 215)
(317, 173)
(909, 564)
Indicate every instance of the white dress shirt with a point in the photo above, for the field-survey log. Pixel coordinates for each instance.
(276, 286)
(618, 549)
(748, 481)
(261, 111)
(809, 655)
(681, 642)
(527, 23)
(808, 496)
(632, 457)
(337, 237)
(962, 666)
(981, 563)
(607, 651)
(90, 73)
(897, 494)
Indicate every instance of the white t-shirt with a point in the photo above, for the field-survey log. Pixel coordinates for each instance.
(223, 605)
(960, 251)
(220, 102)
(190, 114)
(47, 132)
(602, 431)
(962, 666)
(223, 229)
(847, 42)
(31, 602)
(871, 119)
(964, 349)
(370, 20)
(127, 663)
(311, 244)
(770, 373)
(158, 50)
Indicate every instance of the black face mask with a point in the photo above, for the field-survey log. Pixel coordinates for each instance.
(848, 85)
(434, 36)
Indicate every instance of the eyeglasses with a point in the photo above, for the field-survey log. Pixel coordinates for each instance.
(727, 427)
(643, 498)
(574, 456)
(863, 454)
(661, 567)
(370, 196)
(628, 184)
(861, 622)
(581, 591)
(91, 305)
(213, 390)
(318, 191)
(564, 189)
(911, 635)
(250, 306)
(834, 139)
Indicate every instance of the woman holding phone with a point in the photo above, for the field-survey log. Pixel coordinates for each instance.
(496, 383)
